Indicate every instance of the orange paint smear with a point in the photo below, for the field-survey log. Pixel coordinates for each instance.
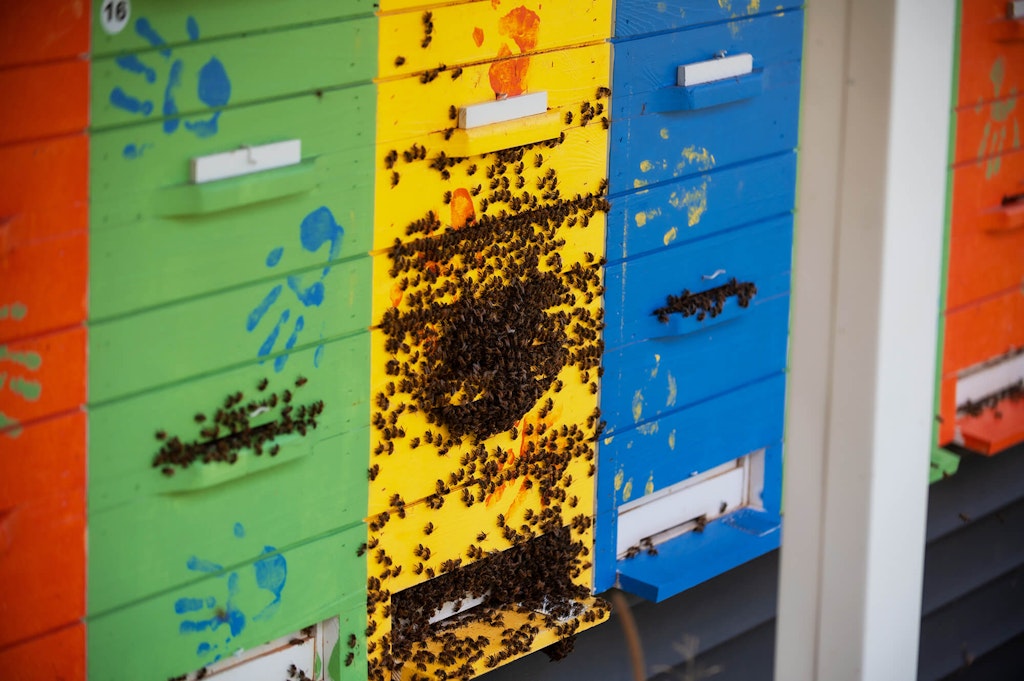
(463, 212)
(396, 294)
(524, 439)
(523, 26)
(508, 77)
(478, 36)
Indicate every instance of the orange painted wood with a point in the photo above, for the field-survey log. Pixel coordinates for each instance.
(974, 334)
(42, 525)
(51, 99)
(984, 331)
(59, 656)
(991, 52)
(989, 129)
(43, 235)
(43, 375)
(986, 253)
(45, 280)
(43, 30)
(994, 430)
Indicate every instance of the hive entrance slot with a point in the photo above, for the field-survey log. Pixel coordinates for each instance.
(534, 579)
(988, 384)
(688, 505)
(454, 608)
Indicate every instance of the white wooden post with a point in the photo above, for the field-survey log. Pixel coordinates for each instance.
(873, 153)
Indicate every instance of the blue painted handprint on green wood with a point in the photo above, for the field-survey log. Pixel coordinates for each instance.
(213, 87)
(204, 616)
(318, 228)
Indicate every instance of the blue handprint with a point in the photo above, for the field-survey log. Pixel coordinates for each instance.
(269, 573)
(213, 86)
(317, 228)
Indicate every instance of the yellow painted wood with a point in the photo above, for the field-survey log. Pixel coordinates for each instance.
(458, 522)
(483, 31)
(408, 108)
(417, 133)
(579, 162)
(512, 618)
(413, 473)
(401, 5)
(456, 526)
(479, 141)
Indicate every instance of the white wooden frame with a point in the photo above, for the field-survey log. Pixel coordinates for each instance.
(874, 135)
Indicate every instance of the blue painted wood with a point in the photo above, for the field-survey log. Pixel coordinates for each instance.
(725, 543)
(646, 150)
(687, 442)
(676, 213)
(639, 17)
(643, 381)
(646, 65)
(707, 95)
(635, 288)
(649, 148)
(686, 561)
(605, 568)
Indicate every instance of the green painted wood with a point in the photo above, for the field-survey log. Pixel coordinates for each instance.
(338, 666)
(169, 344)
(137, 549)
(203, 200)
(944, 464)
(151, 241)
(151, 640)
(215, 19)
(187, 86)
(122, 434)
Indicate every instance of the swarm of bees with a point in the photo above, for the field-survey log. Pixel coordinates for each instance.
(492, 315)
(230, 428)
(708, 302)
(534, 578)
(458, 360)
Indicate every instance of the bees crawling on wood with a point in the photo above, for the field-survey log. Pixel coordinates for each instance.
(228, 430)
(492, 314)
(533, 578)
(709, 302)
(428, 29)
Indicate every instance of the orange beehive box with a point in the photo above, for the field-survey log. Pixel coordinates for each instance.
(43, 376)
(60, 655)
(51, 99)
(976, 334)
(43, 30)
(986, 251)
(991, 52)
(42, 494)
(43, 239)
